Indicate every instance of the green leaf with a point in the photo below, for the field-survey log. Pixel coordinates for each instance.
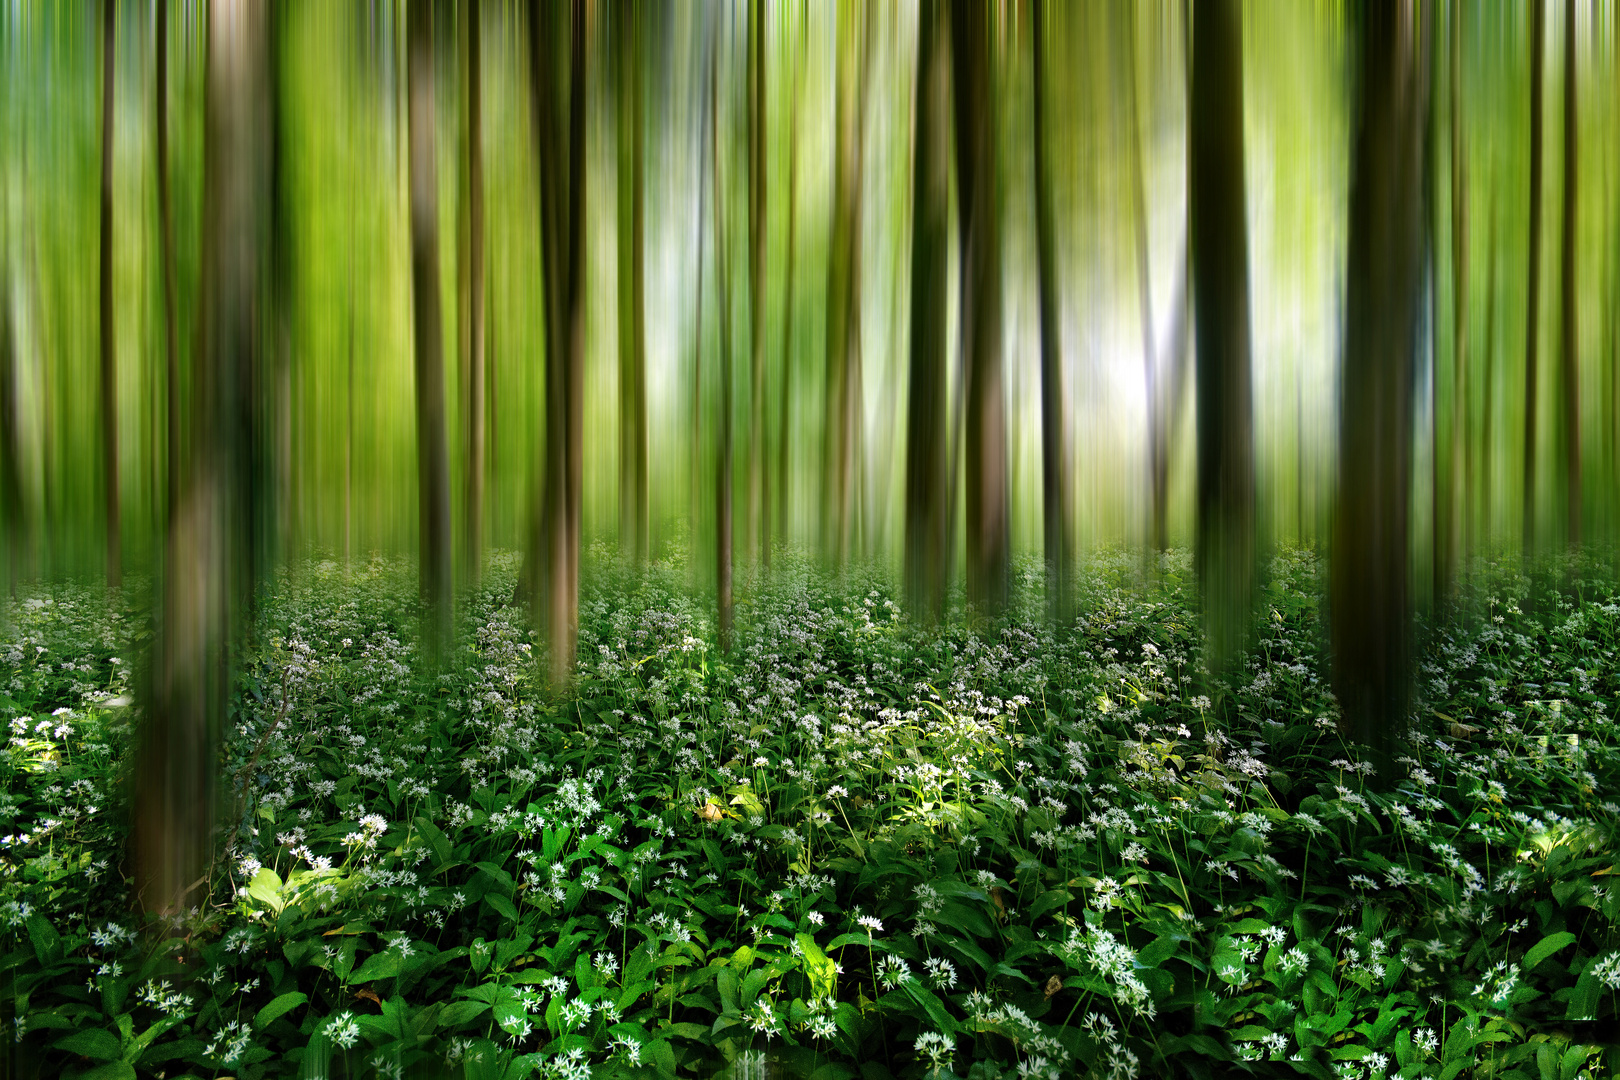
(94, 1043)
(435, 838)
(112, 1070)
(931, 1005)
(460, 1012)
(47, 942)
(1583, 1003)
(266, 889)
(502, 905)
(383, 965)
(1546, 947)
(278, 1008)
(726, 981)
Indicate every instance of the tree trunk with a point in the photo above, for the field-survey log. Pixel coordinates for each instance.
(927, 494)
(13, 518)
(173, 422)
(109, 354)
(633, 503)
(1056, 490)
(1570, 324)
(1445, 482)
(176, 787)
(785, 388)
(979, 197)
(1220, 251)
(1370, 597)
(473, 542)
(758, 523)
(723, 463)
(1532, 295)
(843, 340)
(432, 458)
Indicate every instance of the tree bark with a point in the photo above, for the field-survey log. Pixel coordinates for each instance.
(1226, 490)
(173, 421)
(785, 387)
(432, 458)
(109, 354)
(1446, 482)
(1056, 490)
(1370, 595)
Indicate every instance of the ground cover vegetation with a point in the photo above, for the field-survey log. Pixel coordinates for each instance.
(856, 846)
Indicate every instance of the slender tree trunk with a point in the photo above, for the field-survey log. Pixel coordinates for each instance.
(633, 507)
(979, 194)
(109, 354)
(1220, 251)
(1569, 317)
(1532, 295)
(1056, 498)
(13, 517)
(785, 388)
(927, 497)
(723, 464)
(843, 340)
(432, 458)
(173, 417)
(1370, 595)
(759, 543)
(473, 536)
(1445, 483)
(176, 787)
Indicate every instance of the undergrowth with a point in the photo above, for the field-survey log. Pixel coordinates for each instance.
(854, 847)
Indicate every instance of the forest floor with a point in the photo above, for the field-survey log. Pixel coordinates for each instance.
(854, 847)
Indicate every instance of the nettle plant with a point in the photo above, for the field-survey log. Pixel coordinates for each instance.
(853, 847)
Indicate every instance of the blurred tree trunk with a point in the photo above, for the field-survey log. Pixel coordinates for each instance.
(759, 542)
(633, 495)
(1370, 598)
(1220, 259)
(13, 517)
(276, 521)
(1569, 287)
(1446, 466)
(551, 573)
(927, 494)
(432, 458)
(843, 340)
(785, 387)
(176, 787)
(723, 464)
(473, 526)
(1532, 295)
(171, 346)
(108, 329)
(979, 202)
(1056, 491)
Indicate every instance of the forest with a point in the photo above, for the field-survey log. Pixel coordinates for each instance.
(854, 540)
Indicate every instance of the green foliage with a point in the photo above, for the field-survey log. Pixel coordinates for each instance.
(852, 845)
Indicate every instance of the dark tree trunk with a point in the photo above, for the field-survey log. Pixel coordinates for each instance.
(432, 458)
(1532, 294)
(176, 787)
(1370, 597)
(979, 199)
(633, 491)
(109, 354)
(927, 493)
(785, 387)
(843, 339)
(1056, 490)
(1570, 324)
(1220, 258)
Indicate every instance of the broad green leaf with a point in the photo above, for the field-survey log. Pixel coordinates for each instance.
(266, 889)
(277, 1008)
(95, 1043)
(383, 965)
(1546, 947)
